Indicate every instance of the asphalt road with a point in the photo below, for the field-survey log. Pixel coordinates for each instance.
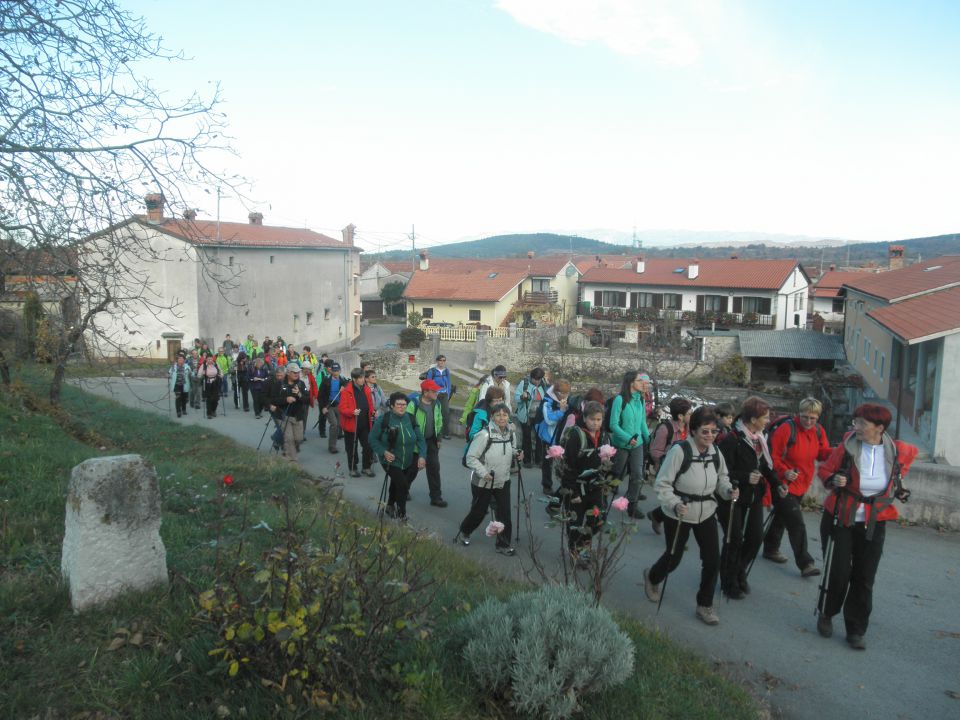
(769, 640)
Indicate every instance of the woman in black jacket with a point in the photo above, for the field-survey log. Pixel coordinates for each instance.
(750, 466)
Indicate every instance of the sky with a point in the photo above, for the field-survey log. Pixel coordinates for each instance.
(464, 118)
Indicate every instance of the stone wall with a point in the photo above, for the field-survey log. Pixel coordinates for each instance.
(398, 366)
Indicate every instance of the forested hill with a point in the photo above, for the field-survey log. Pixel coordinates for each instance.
(517, 245)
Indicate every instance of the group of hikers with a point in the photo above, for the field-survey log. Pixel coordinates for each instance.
(716, 467)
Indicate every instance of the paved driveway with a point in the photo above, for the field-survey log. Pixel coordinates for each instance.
(769, 639)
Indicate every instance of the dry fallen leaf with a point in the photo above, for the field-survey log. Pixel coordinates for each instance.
(137, 639)
(116, 644)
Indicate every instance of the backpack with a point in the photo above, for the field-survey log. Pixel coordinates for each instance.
(562, 464)
(472, 397)
(608, 411)
(688, 460)
(385, 431)
(791, 441)
(648, 461)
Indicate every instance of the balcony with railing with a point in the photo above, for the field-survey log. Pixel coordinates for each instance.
(540, 297)
(686, 317)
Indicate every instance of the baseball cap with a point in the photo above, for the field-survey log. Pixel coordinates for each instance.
(499, 371)
(429, 385)
(293, 367)
(334, 367)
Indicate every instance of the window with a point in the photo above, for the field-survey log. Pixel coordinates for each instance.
(711, 303)
(798, 301)
(296, 323)
(326, 313)
(883, 359)
(230, 261)
(644, 300)
(837, 305)
(610, 298)
(474, 315)
(271, 259)
(876, 360)
(746, 305)
(427, 313)
(540, 285)
(866, 351)
(309, 318)
(672, 301)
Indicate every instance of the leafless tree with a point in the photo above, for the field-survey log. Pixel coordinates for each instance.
(83, 137)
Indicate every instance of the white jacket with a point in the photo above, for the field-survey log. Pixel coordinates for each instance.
(498, 456)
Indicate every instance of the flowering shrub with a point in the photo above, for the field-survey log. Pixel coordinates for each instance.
(607, 452)
(621, 504)
(555, 451)
(494, 528)
(543, 651)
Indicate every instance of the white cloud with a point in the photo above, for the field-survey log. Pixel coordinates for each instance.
(655, 28)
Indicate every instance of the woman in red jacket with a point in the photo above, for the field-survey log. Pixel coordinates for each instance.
(795, 446)
(864, 474)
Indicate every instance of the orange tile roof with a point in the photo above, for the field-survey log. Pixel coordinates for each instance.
(463, 280)
(830, 282)
(923, 317)
(585, 262)
(917, 279)
(204, 232)
(741, 274)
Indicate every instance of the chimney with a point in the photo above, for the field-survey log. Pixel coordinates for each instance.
(255, 218)
(641, 265)
(832, 267)
(424, 261)
(154, 203)
(693, 269)
(190, 214)
(896, 257)
(347, 233)
(529, 254)
(734, 256)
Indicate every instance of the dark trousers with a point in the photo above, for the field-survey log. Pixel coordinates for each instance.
(357, 445)
(705, 534)
(588, 513)
(479, 506)
(400, 479)
(180, 398)
(333, 419)
(852, 571)
(444, 401)
(245, 391)
(546, 475)
(258, 403)
(212, 395)
(526, 443)
(195, 386)
(433, 469)
(787, 513)
(745, 539)
(322, 424)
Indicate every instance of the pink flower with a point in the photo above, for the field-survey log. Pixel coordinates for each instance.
(554, 451)
(607, 452)
(494, 528)
(621, 503)
(595, 512)
(228, 480)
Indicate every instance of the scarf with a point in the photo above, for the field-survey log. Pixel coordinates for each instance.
(759, 441)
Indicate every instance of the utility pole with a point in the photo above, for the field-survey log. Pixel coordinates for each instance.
(413, 245)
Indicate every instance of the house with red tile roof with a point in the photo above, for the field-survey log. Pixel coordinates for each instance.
(768, 294)
(374, 278)
(493, 291)
(902, 334)
(188, 278)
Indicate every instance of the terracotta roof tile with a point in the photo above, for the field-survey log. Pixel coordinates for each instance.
(742, 274)
(830, 282)
(204, 232)
(463, 280)
(936, 313)
(917, 279)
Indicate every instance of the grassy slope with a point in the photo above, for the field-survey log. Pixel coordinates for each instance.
(57, 664)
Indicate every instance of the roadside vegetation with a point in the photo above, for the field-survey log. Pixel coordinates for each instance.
(179, 652)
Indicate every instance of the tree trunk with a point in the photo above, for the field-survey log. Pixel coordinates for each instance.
(4, 370)
(66, 347)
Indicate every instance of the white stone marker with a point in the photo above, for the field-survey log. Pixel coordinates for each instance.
(112, 542)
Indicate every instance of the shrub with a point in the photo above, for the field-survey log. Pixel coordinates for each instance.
(319, 620)
(411, 337)
(544, 650)
(732, 371)
(414, 319)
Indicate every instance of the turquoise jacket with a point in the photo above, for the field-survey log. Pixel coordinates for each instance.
(187, 372)
(407, 445)
(629, 422)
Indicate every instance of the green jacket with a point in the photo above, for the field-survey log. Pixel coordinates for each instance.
(224, 363)
(629, 422)
(414, 408)
(408, 442)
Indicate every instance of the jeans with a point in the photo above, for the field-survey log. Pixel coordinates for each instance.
(705, 534)
(631, 458)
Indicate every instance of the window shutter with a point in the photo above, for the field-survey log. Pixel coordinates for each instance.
(738, 305)
(699, 303)
(597, 298)
(765, 306)
(658, 301)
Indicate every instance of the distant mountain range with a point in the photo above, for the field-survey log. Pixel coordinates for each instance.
(810, 251)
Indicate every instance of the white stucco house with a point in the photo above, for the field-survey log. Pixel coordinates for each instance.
(374, 278)
(186, 278)
(766, 294)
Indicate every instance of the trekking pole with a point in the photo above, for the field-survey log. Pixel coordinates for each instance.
(827, 561)
(382, 504)
(521, 493)
(725, 559)
(763, 534)
(673, 549)
(265, 428)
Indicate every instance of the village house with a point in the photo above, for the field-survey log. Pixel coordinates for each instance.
(374, 277)
(206, 278)
(493, 292)
(826, 299)
(902, 334)
(762, 294)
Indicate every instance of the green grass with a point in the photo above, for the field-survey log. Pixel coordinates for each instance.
(54, 663)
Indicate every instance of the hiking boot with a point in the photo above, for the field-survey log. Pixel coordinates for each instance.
(581, 559)
(856, 642)
(369, 472)
(775, 556)
(742, 582)
(462, 538)
(707, 615)
(657, 524)
(825, 626)
(506, 550)
(734, 591)
(635, 512)
(652, 591)
(354, 473)
(332, 451)
(810, 570)
(439, 502)
(323, 434)
(390, 510)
